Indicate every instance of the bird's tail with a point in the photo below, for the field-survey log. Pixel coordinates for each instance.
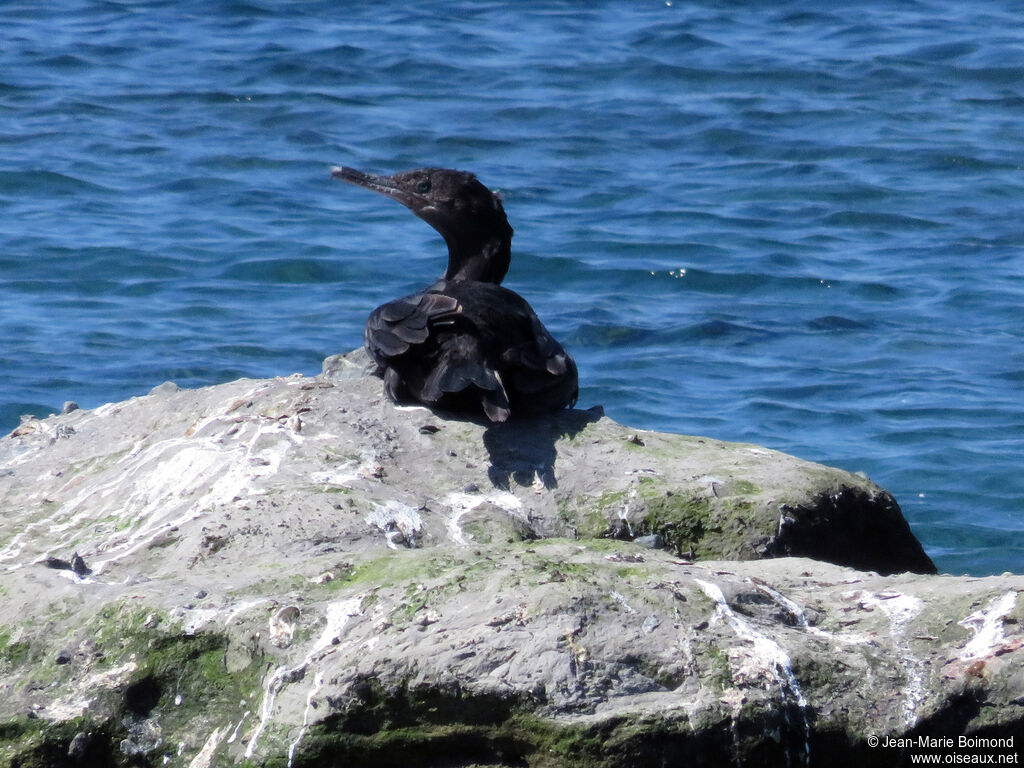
(457, 373)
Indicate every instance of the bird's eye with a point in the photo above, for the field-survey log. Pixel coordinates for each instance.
(423, 187)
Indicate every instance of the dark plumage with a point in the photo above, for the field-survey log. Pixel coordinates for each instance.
(465, 342)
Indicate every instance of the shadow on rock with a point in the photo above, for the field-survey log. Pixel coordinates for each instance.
(523, 450)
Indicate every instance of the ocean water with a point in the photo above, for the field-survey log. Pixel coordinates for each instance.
(763, 222)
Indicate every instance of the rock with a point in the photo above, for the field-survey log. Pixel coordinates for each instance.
(653, 541)
(282, 626)
(515, 623)
(166, 388)
(78, 746)
(175, 455)
(142, 737)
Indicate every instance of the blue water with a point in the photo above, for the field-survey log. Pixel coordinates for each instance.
(755, 221)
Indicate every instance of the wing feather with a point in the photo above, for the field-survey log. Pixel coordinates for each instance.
(394, 327)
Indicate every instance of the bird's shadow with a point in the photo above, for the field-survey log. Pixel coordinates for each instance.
(523, 450)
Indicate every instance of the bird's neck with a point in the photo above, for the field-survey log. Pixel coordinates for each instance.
(486, 262)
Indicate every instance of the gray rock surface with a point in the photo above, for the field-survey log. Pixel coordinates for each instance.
(297, 572)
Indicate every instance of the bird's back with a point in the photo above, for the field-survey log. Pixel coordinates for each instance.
(464, 344)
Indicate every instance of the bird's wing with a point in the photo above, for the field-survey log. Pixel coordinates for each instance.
(540, 353)
(393, 327)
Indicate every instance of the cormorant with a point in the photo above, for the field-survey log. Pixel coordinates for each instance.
(465, 342)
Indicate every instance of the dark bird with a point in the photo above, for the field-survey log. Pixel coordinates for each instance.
(465, 342)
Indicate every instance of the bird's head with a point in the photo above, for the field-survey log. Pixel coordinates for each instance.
(467, 214)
